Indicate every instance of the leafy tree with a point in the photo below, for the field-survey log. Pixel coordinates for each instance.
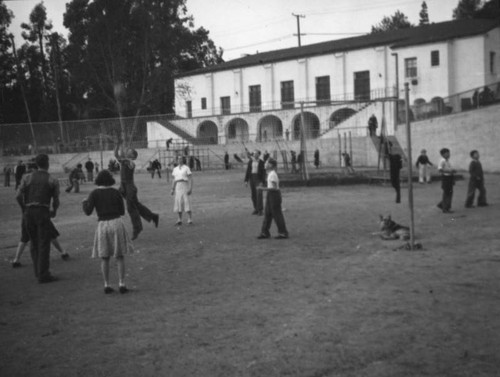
(123, 54)
(6, 61)
(490, 9)
(397, 21)
(424, 15)
(36, 32)
(466, 9)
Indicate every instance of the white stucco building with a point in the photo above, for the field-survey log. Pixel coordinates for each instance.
(341, 82)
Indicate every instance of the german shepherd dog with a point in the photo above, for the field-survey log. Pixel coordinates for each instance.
(390, 230)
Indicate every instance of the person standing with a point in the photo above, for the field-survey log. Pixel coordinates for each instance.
(373, 125)
(38, 196)
(89, 166)
(7, 171)
(182, 187)
(316, 158)
(476, 182)
(423, 165)
(111, 238)
(128, 189)
(273, 209)
(256, 176)
(226, 160)
(293, 160)
(19, 171)
(395, 166)
(447, 180)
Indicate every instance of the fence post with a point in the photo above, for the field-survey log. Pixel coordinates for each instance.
(410, 168)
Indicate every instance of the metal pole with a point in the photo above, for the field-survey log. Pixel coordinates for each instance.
(303, 149)
(350, 147)
(410, 167)
(396, 104)
(340, 149)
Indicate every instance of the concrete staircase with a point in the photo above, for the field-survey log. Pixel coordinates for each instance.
(180, 132)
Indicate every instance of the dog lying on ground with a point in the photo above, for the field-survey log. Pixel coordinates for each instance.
(390, 230)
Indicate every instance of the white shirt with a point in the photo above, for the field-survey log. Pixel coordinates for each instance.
(444, 164)
(181, 173)
(272, 177)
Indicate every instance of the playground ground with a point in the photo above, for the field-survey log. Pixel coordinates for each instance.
(212, 300)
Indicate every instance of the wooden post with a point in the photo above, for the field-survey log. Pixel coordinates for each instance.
(410, 167)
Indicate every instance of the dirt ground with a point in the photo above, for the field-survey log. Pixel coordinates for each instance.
(212, 300)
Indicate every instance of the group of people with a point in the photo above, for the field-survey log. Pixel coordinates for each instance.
(423, 164)
(38, 197)
(261, 182)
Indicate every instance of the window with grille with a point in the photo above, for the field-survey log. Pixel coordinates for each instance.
(203, 103)
(323, 88)
(189, 109)
(287, 95)
(411, 67)
(255, 98)
(434, 58)
(225, 105)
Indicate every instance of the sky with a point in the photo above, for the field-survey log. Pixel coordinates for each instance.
(249, 26)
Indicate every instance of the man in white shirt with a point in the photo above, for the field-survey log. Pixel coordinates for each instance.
(447, 180)
(273, 204)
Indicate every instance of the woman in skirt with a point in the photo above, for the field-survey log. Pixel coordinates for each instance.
(182, 187)
(111, 238)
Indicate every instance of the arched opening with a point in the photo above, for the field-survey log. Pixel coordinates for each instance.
(270, 127)
(438, 106)
(237, 130)
(402, 112)
(340, 115)
(208, 132)
(311, 126)
(420, 108)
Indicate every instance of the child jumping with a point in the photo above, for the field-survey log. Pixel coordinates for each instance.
(111, 238)
(272, 208)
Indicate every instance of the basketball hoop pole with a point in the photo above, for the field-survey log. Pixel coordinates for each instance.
(410, 167)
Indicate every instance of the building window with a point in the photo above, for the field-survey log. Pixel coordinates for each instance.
(411, 67)
(434, 58)
(225, 105)
(287, 95)
(203, 103)
(323, 89)
(492, 62)
(255, 98)
(189, 109)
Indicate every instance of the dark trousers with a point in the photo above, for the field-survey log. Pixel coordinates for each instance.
(474, 185)
(135, 209)
(396, 183)
(273, 211)
(38, 227)
(257, 198)
(155, 171)
(447, 187)
(90, 175)
(74, 183)
(6, 181)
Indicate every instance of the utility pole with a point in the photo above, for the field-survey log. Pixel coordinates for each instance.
(298, 16)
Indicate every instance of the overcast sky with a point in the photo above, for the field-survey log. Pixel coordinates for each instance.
(247, 26)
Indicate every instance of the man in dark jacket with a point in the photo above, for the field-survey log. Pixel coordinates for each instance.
(37, 193)
(256, 176)
(19, 171)
(89, 166)
(476, 182)
(395, 164)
